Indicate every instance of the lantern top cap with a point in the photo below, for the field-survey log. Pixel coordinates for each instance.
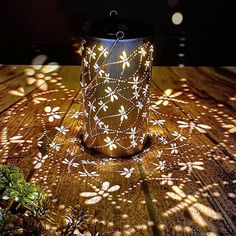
(109, 27)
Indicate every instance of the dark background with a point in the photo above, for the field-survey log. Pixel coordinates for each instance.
(53, 27)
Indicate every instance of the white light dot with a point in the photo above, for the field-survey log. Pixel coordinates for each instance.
(177, 18)
(180, 54)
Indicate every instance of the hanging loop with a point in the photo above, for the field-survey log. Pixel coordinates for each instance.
(120, 35)
(113, 13)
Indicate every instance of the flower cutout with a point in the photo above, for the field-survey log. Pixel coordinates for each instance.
(123, 114)
(230, 127)
(55, 146)
(103, 50)
(145, 90)
(18, 92)
(139, 105)
(38, 100)
(38, 73)
(192, 165)
(77, 114)
(85, 173)
(159, 153)
(173, 148)
(134, 83)
(193, 125)
(191, 204)
(106, 129)
(157, 122)
(91, 53)
(147, 64)
(144, 115)
(132, 133)
(142, 52)
(133, 143)
(91, 106)
(102, 105)
(168, 96)
(124, 59)
(70, 163)
(107, 78)
(85, 62)
(74, 140)
(95, 197)
(127, 172)
(110, 143)
(161, 165)
(136, 94)
(111, 93)
(98, 69)
(163, 140)
(98, 121)
(52, 113)
(39, 160)
(141, 139)
(167, 179)
(62, 130)
(179, 136)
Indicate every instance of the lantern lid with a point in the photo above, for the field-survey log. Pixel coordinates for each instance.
(108, 28)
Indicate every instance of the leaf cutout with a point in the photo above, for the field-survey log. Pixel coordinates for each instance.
(19, 92)
(38, 61)
(93, 200)
(41, 84)
(196, 216)
(168, 92)
(176, 94)
(179, 191)
(51, 119)
(29, 72)
(207, 211)
(38, 165)
(57, 116)
(55, 109)
(88, 194)
(30, 80)
(173, 196)
(105, 185)
(113, 188)
(53, 66)
(47, 109)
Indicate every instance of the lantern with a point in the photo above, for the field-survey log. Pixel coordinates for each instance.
(115, 80)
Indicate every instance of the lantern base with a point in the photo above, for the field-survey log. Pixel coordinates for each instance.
(118, 152)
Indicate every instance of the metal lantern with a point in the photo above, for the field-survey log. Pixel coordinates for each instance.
(115, 79)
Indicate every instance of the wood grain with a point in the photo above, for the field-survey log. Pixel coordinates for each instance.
(183, 183)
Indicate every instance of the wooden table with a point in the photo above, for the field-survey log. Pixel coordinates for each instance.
(182, 184)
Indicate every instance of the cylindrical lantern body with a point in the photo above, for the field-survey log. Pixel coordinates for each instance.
(116, 94)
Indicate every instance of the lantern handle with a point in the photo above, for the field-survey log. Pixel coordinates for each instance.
(119, 35)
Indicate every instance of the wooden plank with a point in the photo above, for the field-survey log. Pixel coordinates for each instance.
(25, 120)
(209, 81)
(213, 176)
(9, 72)
(85, 170)
(187, 189)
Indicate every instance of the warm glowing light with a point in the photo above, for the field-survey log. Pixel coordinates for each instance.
(177, 18)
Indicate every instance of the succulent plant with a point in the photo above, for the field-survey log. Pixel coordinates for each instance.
(76, 220)
(7, 223)
(24, 210)
(9, 176)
